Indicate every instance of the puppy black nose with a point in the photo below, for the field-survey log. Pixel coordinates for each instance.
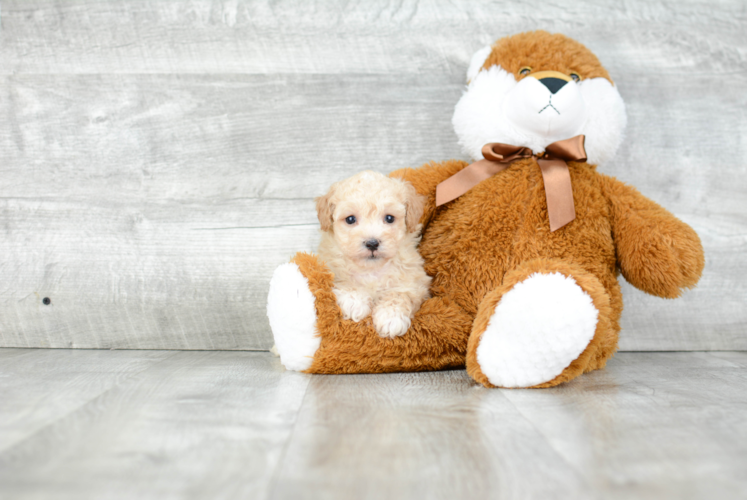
(372, 244)
(553, 84)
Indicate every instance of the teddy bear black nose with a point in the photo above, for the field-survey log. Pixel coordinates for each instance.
(372, 244)
(553, 84)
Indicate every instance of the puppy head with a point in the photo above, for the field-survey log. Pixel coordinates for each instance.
(369, 216)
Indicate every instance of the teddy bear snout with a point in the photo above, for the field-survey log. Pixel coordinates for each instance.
(553, 84)
(536, 111)
(553, 80)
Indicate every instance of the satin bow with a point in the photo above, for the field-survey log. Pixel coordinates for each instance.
(552, 162)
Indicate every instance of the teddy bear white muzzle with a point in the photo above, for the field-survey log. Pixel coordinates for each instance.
(549, 107)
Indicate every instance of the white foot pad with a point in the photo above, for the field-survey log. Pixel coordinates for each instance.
(293, 317)
(538, 328)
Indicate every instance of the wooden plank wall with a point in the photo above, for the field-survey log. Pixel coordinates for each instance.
(158, 159)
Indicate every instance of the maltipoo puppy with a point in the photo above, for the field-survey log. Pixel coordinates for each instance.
(370, 234)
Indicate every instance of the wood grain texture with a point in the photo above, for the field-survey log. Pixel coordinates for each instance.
(728, 356)
(40, 387)
(340, 37)
(205, 138)
(195, 425)
(146, 276)
(101, 424)
(650, 426)
(432, 435)
(664, 406)
(133, 129)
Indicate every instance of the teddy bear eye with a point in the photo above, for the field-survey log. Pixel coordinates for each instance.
(574, 77)
(525, 71)
(350, 219)
(389, 219)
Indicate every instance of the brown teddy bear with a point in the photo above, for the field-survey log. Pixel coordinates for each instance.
(524, 245)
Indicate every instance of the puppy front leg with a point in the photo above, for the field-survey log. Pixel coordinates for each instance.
(392, 315)
(354, 304)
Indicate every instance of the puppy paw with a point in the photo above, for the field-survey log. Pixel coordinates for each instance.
(355, 306)
(390, 322)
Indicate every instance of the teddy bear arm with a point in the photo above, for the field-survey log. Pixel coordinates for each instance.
(425, 179)
(656, 252)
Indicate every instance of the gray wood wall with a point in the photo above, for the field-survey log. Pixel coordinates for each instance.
(158, 159)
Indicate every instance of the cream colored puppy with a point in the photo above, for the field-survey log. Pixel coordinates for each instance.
(370, 234)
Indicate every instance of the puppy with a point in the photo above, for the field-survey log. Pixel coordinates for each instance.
(370, 234)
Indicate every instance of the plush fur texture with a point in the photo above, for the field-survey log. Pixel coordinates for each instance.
(370, 234)
(437, 338)
(495, 239)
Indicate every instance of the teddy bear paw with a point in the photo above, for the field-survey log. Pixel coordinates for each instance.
(293, 317)
(537, 329)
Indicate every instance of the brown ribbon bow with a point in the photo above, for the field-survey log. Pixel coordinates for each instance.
(555, 171)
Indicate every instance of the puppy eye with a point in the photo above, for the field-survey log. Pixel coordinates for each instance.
(525, 71)
(574, 77)
(350, 219)
(389, 219)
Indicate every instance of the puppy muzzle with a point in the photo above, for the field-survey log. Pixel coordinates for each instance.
(372, 247)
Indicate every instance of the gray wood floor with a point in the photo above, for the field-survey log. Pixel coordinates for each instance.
(167, 424)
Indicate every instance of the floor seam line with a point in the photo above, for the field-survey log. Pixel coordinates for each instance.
(550, 445)
(274, 477)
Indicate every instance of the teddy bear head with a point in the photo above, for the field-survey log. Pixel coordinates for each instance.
(532, 89)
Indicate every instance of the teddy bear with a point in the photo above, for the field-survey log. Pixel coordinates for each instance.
(524, 245)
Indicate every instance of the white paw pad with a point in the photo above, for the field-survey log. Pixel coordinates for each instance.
(293, 317)
(538, 328)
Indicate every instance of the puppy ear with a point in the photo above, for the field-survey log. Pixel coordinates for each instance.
(414, 205)
(325, 209)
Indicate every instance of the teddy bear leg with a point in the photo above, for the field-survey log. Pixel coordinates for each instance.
(547, 323)
(312, 336)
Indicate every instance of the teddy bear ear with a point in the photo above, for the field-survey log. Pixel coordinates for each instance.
(476, 62)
